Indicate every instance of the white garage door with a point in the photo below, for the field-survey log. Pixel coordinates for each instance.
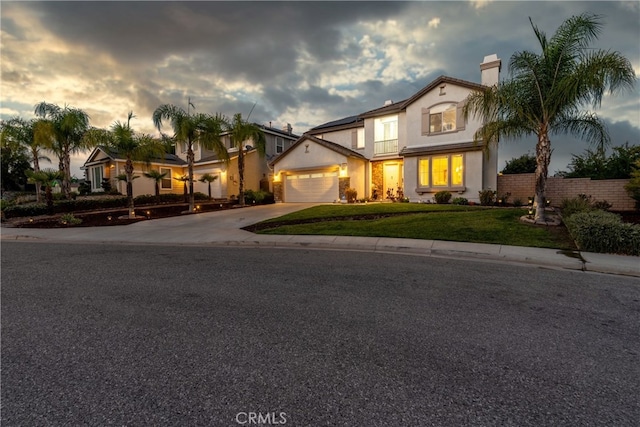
(311, 187)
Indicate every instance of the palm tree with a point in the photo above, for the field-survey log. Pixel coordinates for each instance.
(122, 139)
(548, 91)
(157, 177)
(184, 179)
(208, 178)
(47, 178)
(30, 134)
(191, 129)
(243, 132)
(67, 127)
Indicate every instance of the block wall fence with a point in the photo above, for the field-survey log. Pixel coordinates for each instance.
(522, 186)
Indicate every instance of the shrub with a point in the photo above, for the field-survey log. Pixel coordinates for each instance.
(582, 203)
(517, 203)
(351, 194)
(259, 197)
(84, 188)
(25, 210)
(504, 199)
(147, 199)
(200, 196)
(69, 219)
(603, 232)
(442, 197)
(487, 197)
(106, 185)
(460, 201)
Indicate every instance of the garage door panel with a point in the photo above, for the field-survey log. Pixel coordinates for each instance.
(311, 187)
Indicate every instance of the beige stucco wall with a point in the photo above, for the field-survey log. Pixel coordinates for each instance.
(453, 94)
(316, 156)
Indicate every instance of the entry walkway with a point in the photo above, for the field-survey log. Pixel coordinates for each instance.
(224, 228)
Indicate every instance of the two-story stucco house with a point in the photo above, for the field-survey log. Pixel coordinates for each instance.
(412, 148)
(105, 163)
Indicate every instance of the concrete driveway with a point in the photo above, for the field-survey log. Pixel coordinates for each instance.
(210, 227)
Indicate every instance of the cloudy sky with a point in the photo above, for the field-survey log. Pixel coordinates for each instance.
(303, 63)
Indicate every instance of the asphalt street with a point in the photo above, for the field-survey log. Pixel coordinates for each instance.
(179, 335)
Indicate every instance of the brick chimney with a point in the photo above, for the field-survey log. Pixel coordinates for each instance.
(490, 70)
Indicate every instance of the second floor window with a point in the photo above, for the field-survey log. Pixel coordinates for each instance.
(279, 145)
(445, 117)
(385, 135)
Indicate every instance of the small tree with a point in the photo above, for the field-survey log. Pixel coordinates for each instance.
(208, 178)
(47, 178)
(523, 164)
(157, 177)
(633, 186)
(184, 179)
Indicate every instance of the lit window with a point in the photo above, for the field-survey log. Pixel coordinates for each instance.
(457, 167)
(443, 171)
(440, 171)
(423, 172)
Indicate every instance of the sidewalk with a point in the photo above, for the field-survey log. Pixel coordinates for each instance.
(223, 228)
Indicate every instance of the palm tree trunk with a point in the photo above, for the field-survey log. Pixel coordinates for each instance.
(49, 198)
(128, 169)
(190, 161)
(158, 191)
(66, 176)
(241, 176)
(543, 157)
(209, 190)
(36, 169)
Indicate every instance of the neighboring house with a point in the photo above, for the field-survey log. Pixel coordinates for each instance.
(412, 148)
(105, 163)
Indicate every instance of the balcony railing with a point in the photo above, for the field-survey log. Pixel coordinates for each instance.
(385, 147)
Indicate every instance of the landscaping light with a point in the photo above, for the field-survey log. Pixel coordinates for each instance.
(530, 211)
(30, 219)
(548, 202)
(109, 218)
(148, 214)
(530, 200)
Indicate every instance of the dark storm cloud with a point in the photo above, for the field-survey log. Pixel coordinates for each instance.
(256, 39)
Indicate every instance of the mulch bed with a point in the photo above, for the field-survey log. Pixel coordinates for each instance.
(109, 217)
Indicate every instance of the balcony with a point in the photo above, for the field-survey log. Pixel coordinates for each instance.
(390, 146)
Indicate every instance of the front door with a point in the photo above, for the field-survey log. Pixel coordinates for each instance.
(392, 179)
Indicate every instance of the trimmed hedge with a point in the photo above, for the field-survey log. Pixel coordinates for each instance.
(18, 211)
(603, 232)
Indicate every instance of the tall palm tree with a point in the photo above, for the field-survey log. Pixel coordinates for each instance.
(157, 177)
(31, 134)
(548, 91)
(134, 147)
(47, 178)
(67, 128)
(191, 129)
(242, 134)
(208, 178)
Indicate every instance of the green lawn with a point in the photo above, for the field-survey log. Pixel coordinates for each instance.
(421, 221)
